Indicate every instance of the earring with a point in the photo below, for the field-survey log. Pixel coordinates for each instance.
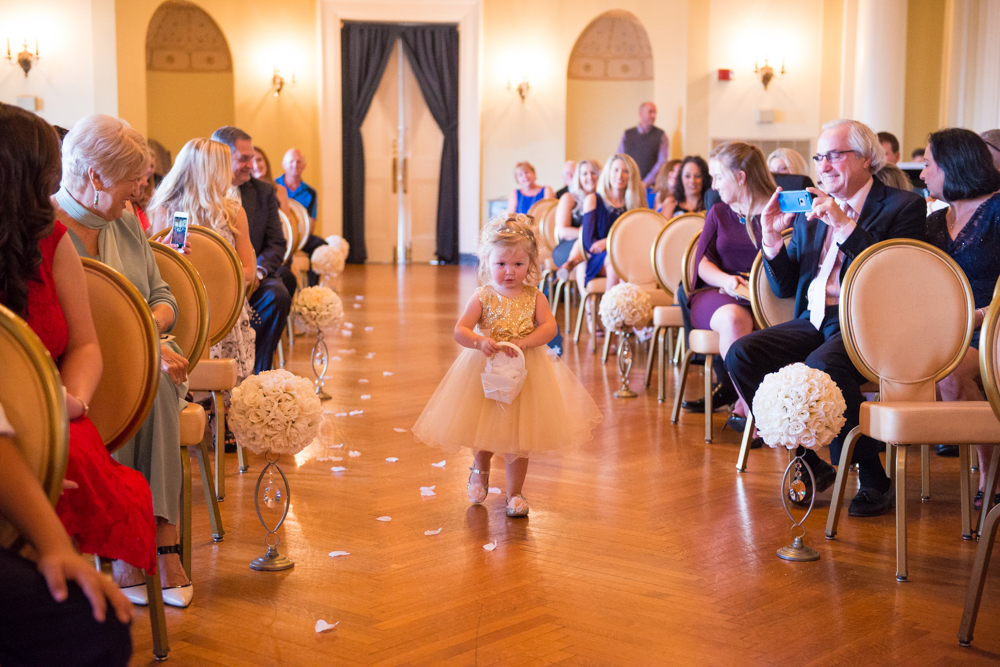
(97, 193)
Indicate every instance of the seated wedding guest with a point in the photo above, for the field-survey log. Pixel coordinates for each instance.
(992, 139)
(647, 144)
(619, 189)
(959, 170)
(893, 177)
(569, 168)
(261, 170)
(200, 183)
(527, 192)
(855, 212)
(103, 160)
(569, 211)
(291, 181)
(690, 187)
(110, 510)
(272, 299)
(787, 161)
(890, 144)
(663, 187)
(918, 155)
(726, 250)
(137, 205)
(58, 610)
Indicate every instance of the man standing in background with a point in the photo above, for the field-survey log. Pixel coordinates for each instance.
(890, 144)
(647, 144)
(294, 164)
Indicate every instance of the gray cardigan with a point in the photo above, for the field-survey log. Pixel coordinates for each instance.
(138, 260)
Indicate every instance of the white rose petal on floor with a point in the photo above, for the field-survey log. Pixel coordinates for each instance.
(323, 626)
(391, 459)
(400, 430)
(384, 518)
(334, 554)
(354, 453)
(338, 468)
(491, 546)
(495, 489)
(427, 490)
(433, 532)
(439, 464)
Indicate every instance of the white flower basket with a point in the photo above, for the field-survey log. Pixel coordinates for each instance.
(504, 375)
(275, 411)
(798, 406)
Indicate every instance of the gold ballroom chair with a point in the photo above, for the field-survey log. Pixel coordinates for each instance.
(989, 368)
(630, 246)
(300, 260)
(907, 316)
(31, 395)
(290, 231)
(221, 272)
(542, 210)
(667, 260)
(700, 341)
(190, 333)
(130, 349)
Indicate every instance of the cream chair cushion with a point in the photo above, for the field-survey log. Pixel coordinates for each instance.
(192, 424)
(958, 422)
(667, 316)
(213, 375)
(703, 341)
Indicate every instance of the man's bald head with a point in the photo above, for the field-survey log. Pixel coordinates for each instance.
(293, 163)
(647, 115)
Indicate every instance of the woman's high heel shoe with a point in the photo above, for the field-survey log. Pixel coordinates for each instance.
(176, 596)
(478, 492)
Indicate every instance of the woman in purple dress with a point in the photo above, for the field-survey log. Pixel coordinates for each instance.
(727, 247)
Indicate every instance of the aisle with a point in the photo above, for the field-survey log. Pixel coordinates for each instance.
(643, 547)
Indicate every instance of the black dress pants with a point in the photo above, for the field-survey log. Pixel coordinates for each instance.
(36, 630)
(765, 351)
(271, 302)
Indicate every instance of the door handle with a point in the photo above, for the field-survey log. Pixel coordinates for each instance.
(406, 162)
(395, 166)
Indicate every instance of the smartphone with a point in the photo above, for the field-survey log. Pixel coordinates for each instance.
(179, 231)
(795, 201)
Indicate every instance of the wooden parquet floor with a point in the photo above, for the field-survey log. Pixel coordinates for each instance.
(644, 547)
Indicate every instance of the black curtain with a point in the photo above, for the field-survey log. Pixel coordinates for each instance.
(364, 52)
(433, 54)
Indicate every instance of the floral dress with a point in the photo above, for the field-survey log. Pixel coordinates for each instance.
(239, 343)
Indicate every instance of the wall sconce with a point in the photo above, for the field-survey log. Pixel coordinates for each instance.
(25, 58)
(521, 88)
(278, 82)
(767, 72)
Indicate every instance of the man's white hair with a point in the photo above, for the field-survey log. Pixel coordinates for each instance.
(863, 141)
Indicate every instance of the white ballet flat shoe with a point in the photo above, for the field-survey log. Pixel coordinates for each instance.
(136, 594)
(178, 596)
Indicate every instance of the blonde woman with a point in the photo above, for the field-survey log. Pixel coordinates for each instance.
(527, 191)
(569, 212)
(726, 250)
(200, 184)
(787, 161)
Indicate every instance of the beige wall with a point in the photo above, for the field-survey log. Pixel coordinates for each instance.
(183, 105)
(261, 35)
(924, 44)
(596, 114)
(76, 41)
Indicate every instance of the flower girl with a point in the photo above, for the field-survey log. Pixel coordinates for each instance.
(551, 412)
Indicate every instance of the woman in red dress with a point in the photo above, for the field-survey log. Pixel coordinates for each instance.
(42, 279)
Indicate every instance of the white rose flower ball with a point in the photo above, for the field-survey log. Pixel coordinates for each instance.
(798, 406)
(284, 417)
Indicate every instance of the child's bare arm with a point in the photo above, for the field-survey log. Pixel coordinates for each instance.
(466, 336)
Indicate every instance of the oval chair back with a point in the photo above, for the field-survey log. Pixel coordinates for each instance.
(689, 272)
(630, 245)
(31, 396)
(301, 216)
(768, 309)
(670, 247)
(547, 229)
(290, 232)
(130, 349)
(220, 270)
(190, 331)
(541, 208)
(907, 315)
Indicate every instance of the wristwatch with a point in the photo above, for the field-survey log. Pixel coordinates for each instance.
(261, 273)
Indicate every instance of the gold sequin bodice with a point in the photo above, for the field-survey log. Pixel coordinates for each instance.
(507, 318)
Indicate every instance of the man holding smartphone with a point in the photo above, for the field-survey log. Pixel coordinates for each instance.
(852, 212)
(271, 299)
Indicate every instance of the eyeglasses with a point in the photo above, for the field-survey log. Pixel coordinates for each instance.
(832, 157)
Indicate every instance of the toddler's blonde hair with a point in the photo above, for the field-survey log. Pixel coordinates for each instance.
(509, 230)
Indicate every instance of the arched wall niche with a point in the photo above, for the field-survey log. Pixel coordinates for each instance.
(609, 74)
(189, 75)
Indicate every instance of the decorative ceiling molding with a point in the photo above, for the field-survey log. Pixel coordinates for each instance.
(183, 38)
(614, 47)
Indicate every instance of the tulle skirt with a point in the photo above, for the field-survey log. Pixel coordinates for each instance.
(552, 412)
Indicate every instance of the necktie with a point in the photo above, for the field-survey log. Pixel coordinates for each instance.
(817, 288)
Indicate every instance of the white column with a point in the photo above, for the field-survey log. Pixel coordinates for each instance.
(880, 64)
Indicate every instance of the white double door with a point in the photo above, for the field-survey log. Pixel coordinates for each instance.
(402, 145)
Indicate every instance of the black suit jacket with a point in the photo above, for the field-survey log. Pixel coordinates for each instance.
(888, 213)
(261, 205)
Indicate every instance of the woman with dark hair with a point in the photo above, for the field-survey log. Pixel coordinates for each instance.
(109, 511)
(690, 188)
(959, 170)
(262, 172)
(663, 187)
